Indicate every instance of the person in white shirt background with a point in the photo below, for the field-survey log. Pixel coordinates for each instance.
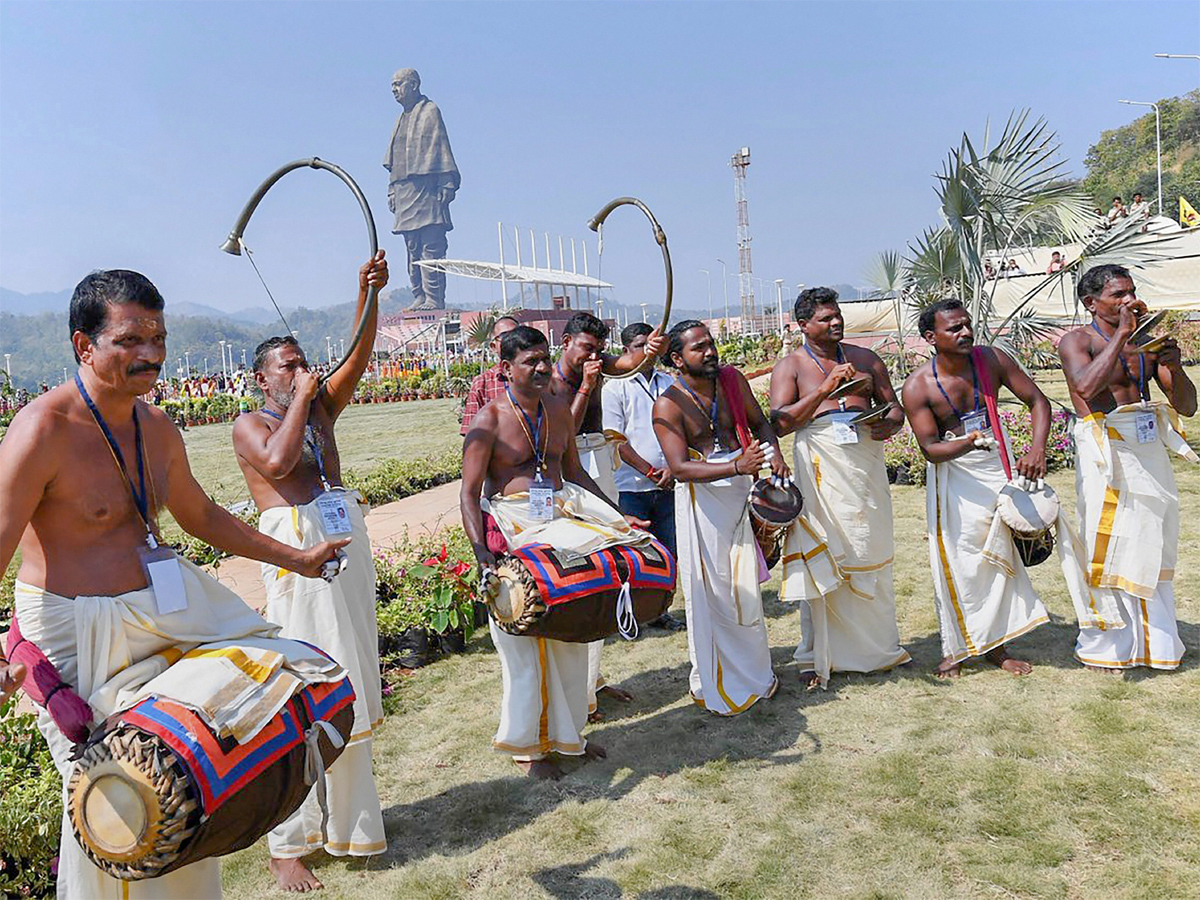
(644, 483)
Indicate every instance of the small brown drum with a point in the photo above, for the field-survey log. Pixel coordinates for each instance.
(155, 789)
(539, 591)
(772, 510)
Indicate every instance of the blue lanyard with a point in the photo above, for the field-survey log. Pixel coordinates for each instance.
(974, 381)
(712, 412)
(140, 499)
(563, 375)
(841, 357)
(310, 439)
(1142, 387)
(532, 432)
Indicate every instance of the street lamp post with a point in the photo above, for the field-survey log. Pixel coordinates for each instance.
(779, 300)
(187, 355)
(643, 305)
(708, 278)
(1157, 141)
(224, 372)
(725, 281)
(1178, 56)
(329, 349)
(8, 365)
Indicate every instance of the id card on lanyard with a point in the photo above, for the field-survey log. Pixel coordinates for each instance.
(541, 499)
(975, 421)
(541, 489)
(1146, 426)
(843, 431)
(159, 564)
(335, 517)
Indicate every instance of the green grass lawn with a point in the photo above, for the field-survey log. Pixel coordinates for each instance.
(1065, 784)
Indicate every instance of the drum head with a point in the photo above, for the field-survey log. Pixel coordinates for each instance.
(777, 505)
(509, 600)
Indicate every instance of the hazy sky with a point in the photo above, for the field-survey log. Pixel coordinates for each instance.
(132, 134)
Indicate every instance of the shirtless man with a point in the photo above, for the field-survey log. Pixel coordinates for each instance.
(578, 379)
(80, 517)
(1123, 469)
(718, 555)
(525, 431)
(289, 457)
(844, 579)
(981, 607)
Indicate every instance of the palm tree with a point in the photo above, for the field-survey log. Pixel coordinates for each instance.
(480, 331)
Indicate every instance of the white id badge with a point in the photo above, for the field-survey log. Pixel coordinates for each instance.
(843, 431)
(162, 569)
(1146, 425)
(976, 421)
(541, 500)
(335, 518)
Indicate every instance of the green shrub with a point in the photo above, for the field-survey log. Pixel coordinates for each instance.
(31, 811)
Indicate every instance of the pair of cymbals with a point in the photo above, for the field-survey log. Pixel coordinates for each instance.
(1141, 341)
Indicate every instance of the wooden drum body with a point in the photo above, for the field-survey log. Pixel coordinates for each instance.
(565, 596)
(155, 789)
(772, 510)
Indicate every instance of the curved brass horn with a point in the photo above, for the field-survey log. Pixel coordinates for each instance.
(233, 244)
(661, 237)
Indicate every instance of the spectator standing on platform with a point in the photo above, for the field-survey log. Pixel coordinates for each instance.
(1056, 263)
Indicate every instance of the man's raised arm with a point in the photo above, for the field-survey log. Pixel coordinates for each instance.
(1168, 372)
(274, 454)
(340, 387)
(656, 342)
(1087, 375)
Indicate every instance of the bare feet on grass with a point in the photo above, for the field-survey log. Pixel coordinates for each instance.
(1105, 670)
(809, 681)
(541, 769)
(594, 751)
(948, 668)
(293, 875)
(616, 693)
(999, 657)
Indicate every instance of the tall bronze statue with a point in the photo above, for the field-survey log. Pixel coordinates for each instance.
(424, 180)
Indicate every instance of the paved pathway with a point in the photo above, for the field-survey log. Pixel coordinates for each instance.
(428, 511)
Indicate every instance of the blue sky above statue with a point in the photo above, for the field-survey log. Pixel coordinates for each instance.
(131, 133)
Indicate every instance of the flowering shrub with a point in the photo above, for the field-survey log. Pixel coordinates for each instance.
(31, 811)
(906, 464)
(428, 583)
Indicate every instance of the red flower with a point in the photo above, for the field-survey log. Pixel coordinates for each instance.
(461, 568)
(442, 555)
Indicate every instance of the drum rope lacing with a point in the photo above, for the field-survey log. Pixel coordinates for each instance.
(314, 767)
(627, 623)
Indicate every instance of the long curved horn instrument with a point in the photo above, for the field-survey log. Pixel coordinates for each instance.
(660, 237)
(233, 244)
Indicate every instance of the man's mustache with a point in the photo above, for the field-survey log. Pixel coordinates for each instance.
(145, 367)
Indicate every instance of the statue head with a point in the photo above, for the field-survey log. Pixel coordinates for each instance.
(406, 86)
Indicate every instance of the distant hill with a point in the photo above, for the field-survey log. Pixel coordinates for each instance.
(19, 304)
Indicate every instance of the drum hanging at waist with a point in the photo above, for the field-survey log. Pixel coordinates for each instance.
(566, 596)
(772, 511)
(155, 789)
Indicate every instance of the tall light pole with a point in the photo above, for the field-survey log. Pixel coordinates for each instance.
(1178, 56)
(243, 357)
(329, 349)
(708, 278)
(224, 373)
(8, 365)
(779, 300)
(643, 305)
(725, 281)
(1157, 142)
(187, 355)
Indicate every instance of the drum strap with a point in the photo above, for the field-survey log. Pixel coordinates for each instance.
(314, 767)
(989, 401)
(627, 623)
(737, 405)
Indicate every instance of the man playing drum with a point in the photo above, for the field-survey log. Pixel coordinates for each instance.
(984, 598)
(85, 471)
(578, 379)
(521, 456)
(289, 456)
(719, 559)
(1127, 500)
(837, 559)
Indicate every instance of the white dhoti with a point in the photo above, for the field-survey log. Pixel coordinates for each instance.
(718, 571)
(1129, 516)
(545, 700)
(115, 651)
(837, 558)
(339, 617)
(983, 594)
(600, 457)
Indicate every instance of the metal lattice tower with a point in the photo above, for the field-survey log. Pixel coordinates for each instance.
(740, 161)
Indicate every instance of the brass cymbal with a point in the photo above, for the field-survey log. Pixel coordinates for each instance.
(1146, 324)
(849, 387)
